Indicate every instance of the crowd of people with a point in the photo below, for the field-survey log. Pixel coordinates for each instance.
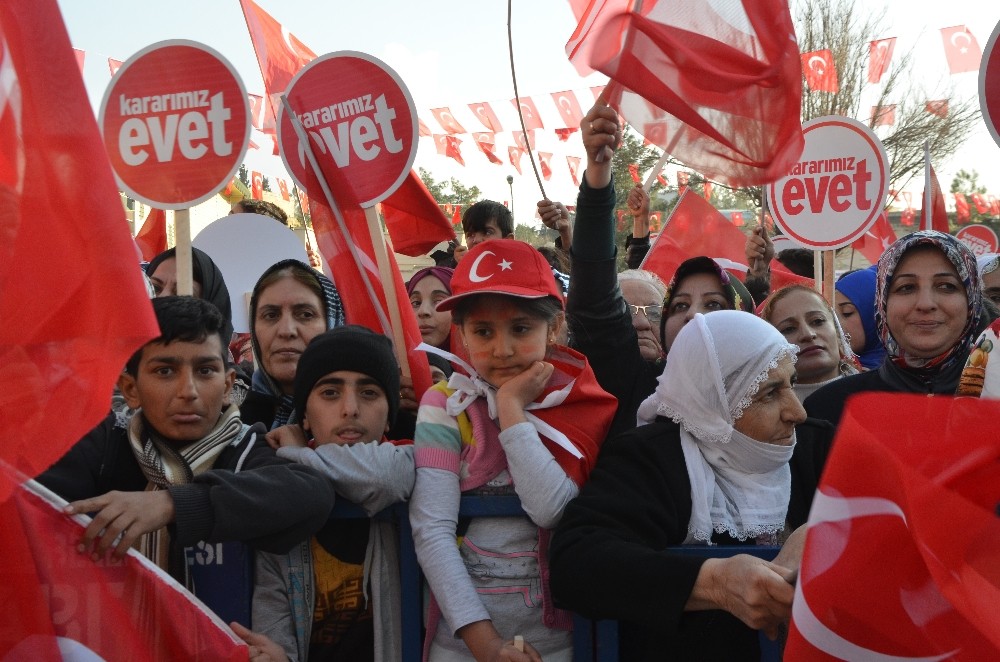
(626, 414)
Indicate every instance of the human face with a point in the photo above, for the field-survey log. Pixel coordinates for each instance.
(775, 410)
(991, 286)
(805, 320)
(434, 326)
(850, 319)
(164, 279)
(698, 293)
(289, 315)
(927, 308)
(641, 293)
(489, 231)
(346, 407)
(181, 386)
(502, 340)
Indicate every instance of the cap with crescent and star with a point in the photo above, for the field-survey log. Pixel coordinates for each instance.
(502, 266)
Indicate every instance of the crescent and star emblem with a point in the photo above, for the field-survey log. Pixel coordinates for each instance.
(474, 275)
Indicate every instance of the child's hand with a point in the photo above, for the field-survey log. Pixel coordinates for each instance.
(521, 390)
(262, 649)
(125, 514)
(407, 396)
(286, 435)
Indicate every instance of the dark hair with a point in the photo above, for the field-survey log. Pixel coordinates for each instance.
(556, 258)
(798, 260)
(185, 319)
(478, 215)
(544, 308)
(264, 208)
(297, 272)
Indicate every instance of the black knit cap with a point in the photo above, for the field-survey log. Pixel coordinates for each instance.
(355, 348)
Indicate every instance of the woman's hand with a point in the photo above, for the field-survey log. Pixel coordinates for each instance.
(601, 135)
(759, 251)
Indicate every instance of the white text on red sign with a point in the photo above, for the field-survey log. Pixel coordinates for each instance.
(189, 131)
(357, 133)
(803, 186)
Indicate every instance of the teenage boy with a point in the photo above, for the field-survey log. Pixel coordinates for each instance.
(185, 469)
(318, 602)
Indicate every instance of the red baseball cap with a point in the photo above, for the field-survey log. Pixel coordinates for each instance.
(502, 266)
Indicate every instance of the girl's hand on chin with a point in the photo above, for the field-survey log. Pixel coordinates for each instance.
(524, 388)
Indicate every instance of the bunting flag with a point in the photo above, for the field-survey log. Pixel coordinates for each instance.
(256, 111)
(565, 134)
(994, 205)
(708, 191)
(682, 181)
(152, 238)
(525, 141)
(883, 115)
(733, 80)
(283, 189)
(456, 215)
(569, 108)
(114, 65)
(485, 114)
(529, 113)
(447, 120)
(253, 145)
(414, 220)
(545, 164)
(60, 360)
(919, 491)
(962, 212)
(573, 162)
(515, 154)
(654, 221)
(633, 171)
(878, 238)
(449, 146)
(936, 218)
(961, 49)
(938, 107)
(81, 56)
(303, 200)
(422, 129)
(737, 218)
(982, 206)
(487, 145)
(71, 608)
(820, 71)
(662, 180)
(879, 56)
(256, 185)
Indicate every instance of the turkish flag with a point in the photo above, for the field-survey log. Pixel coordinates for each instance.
(883, 115)
(70, 323)
(114, 65)
(152, 238)
(283, 188)
(447, 120)
(456, 216)
(737, 90)
(81, 56)
(820, 71)
(633, 171)
(414, 220)
(937, 212)
(994, 205)
(574, 169)
(982, 206)
(256, 111)
(939, 107)
(961, 49)
(303, 199)
(529, 113)
(879, 56)
(682, 181)
(448, 146)
(569, 108)
(878, 238)
(525, 141)
(654, 221)
(484, 113)
(515, 154)
(487, 145)
(696, 228)
(737, 217)
(256, 185)
(545, 164)
(111, 610)
(962, 212)
(564, 134)
(662, 180)
(422, 129)
(903, 544)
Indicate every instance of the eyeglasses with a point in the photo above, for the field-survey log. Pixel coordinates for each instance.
(653, 312)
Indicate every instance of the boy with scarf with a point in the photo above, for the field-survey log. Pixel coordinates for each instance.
(337, 596)
(185, 469)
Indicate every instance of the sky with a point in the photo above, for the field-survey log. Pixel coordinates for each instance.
(451, 53)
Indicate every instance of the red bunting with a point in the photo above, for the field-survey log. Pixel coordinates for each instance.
(256, 185)
(484, 113)
(529, 113)
(422, 129)
(820, 71)
(487, 145)
(961, 49)
(283, 189)
(515, 154)
(574, 168)
(879, 56)
(449, 146)
(447, 120)
(114, 65)
(565, 134)
(545, 164)
(982, 206)
(525, 141)
(633, 171)
(256, 111)
(883, 115)
(939, 107)
(569, 108)
(962, 212)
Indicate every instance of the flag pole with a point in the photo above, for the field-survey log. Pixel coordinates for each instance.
(927, 221)
(182, 244)
(517, 100)
(389, 287)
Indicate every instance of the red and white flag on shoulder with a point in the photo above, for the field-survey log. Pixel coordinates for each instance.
(820, 71)
(961, 49)
(879, 56)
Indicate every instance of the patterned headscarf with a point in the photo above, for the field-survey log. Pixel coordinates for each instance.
(736, 293)
(334, 313)
(965, 264)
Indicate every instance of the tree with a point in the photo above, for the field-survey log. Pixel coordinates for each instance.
(265, 184)
(450, 192)
(967, 183)
(244, 175)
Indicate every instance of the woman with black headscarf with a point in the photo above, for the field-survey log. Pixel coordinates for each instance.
(208, 281)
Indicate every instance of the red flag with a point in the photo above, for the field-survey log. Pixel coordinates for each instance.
(515, 154)
(256, 111)
(682, 181)
(574, 168)
(883, 115)
(413, 219)
(962, 212)
(565, 134)
(662, 180)
(708, 191)
(737, 218)
(654, 133)
(633, 170)
(422, 128)
(58, 197)
(114, 65)
(456, 217)
(696, 228)
(152, 238)
(545, 164)
(99, 610)
(938, 214)
(253, 145)
(820, 71)
(80, 57)
(569, 108)
(621, 219)
(994, 205)
(525, 141)
(487, 145)
(303, 200)
(283, 188)
(654, 221)
(484, 113)
(737, 90)
(939, 107)
(922, 490)
(447, 120)
(961, 49)
(529, 113)
(448, 146)
(879, 56)
(256, 185)
(982, 206)
(878, 238)
(909, 213)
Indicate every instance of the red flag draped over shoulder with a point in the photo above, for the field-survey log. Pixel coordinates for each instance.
(71, 293)
(903, 544)
(723, 76)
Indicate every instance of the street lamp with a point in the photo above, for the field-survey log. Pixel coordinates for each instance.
(510, 183)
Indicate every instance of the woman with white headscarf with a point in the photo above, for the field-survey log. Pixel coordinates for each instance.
(709, 465)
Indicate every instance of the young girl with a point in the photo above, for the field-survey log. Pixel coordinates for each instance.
(527, 420)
